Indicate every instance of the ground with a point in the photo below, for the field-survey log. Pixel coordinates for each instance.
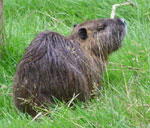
(125, 97)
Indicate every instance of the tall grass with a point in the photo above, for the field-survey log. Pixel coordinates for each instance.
(125, 95)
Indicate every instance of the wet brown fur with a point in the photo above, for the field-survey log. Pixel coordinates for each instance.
(58, 66)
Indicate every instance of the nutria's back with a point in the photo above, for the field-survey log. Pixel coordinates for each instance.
(56, 66)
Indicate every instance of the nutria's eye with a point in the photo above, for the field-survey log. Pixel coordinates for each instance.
(82, 33)
(102, 27)
(75, 25)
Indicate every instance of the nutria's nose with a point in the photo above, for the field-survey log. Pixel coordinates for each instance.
(121, 21)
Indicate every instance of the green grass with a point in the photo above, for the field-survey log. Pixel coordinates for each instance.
(125, 95)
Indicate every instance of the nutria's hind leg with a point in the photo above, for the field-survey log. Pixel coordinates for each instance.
(23, 106)
(24, 99)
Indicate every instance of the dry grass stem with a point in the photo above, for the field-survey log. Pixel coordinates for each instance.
(113, 12)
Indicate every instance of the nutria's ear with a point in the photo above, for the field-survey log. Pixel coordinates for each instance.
(82, 33)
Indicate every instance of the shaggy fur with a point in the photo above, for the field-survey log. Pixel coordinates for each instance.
(58, 66)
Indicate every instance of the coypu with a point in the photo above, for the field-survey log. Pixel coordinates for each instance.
(58, 66)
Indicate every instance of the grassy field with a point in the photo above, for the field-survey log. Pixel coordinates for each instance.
(125, 95)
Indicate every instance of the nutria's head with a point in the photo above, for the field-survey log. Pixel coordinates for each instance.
(100, 37)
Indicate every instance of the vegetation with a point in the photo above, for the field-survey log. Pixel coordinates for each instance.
(125, 94)
(1, 24)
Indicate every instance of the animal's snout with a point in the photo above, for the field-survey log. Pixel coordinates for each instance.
(121, 21)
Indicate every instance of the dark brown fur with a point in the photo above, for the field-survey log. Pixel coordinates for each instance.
(57, 66)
